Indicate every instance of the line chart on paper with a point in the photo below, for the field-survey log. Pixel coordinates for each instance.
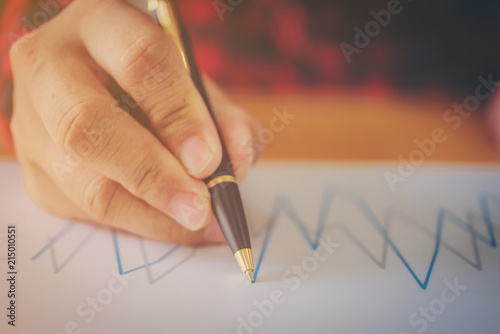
(283, 206)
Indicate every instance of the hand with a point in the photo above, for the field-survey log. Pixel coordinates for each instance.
(85, 157)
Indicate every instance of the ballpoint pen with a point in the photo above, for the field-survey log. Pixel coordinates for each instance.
(224, 192)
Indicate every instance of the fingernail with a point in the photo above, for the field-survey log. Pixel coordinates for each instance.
(190, 210)
(196, 155)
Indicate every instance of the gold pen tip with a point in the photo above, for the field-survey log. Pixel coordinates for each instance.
(245, 260)
(250, 275)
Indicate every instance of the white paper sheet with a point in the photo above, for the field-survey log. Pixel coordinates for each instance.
(420, 259)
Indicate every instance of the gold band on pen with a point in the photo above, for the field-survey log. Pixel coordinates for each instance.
(220, 179)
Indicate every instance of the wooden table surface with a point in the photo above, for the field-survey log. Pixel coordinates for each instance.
(355, 127)
(351, 127)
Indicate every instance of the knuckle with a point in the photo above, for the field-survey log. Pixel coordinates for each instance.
(72, 123)
(99, 196)
(23, 48)
(145, 53)
(145, 179)
(180, 113)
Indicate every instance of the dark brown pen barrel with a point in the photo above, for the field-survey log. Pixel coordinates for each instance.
(228, 208)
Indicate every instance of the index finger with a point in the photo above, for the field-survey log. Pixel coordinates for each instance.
(147, 64)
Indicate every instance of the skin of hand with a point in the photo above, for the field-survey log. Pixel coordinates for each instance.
(110, 129)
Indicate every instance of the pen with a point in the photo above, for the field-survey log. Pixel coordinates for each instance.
(224, 192)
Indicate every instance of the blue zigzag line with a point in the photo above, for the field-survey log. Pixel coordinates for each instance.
(119, 261)
(283, 205)
(58, 236)
(70, 225)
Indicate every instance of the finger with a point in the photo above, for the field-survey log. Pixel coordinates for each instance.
(238, 129)
(96, 205)
(85, 121)
(146, 63)
(86, 195)
(107, 202)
